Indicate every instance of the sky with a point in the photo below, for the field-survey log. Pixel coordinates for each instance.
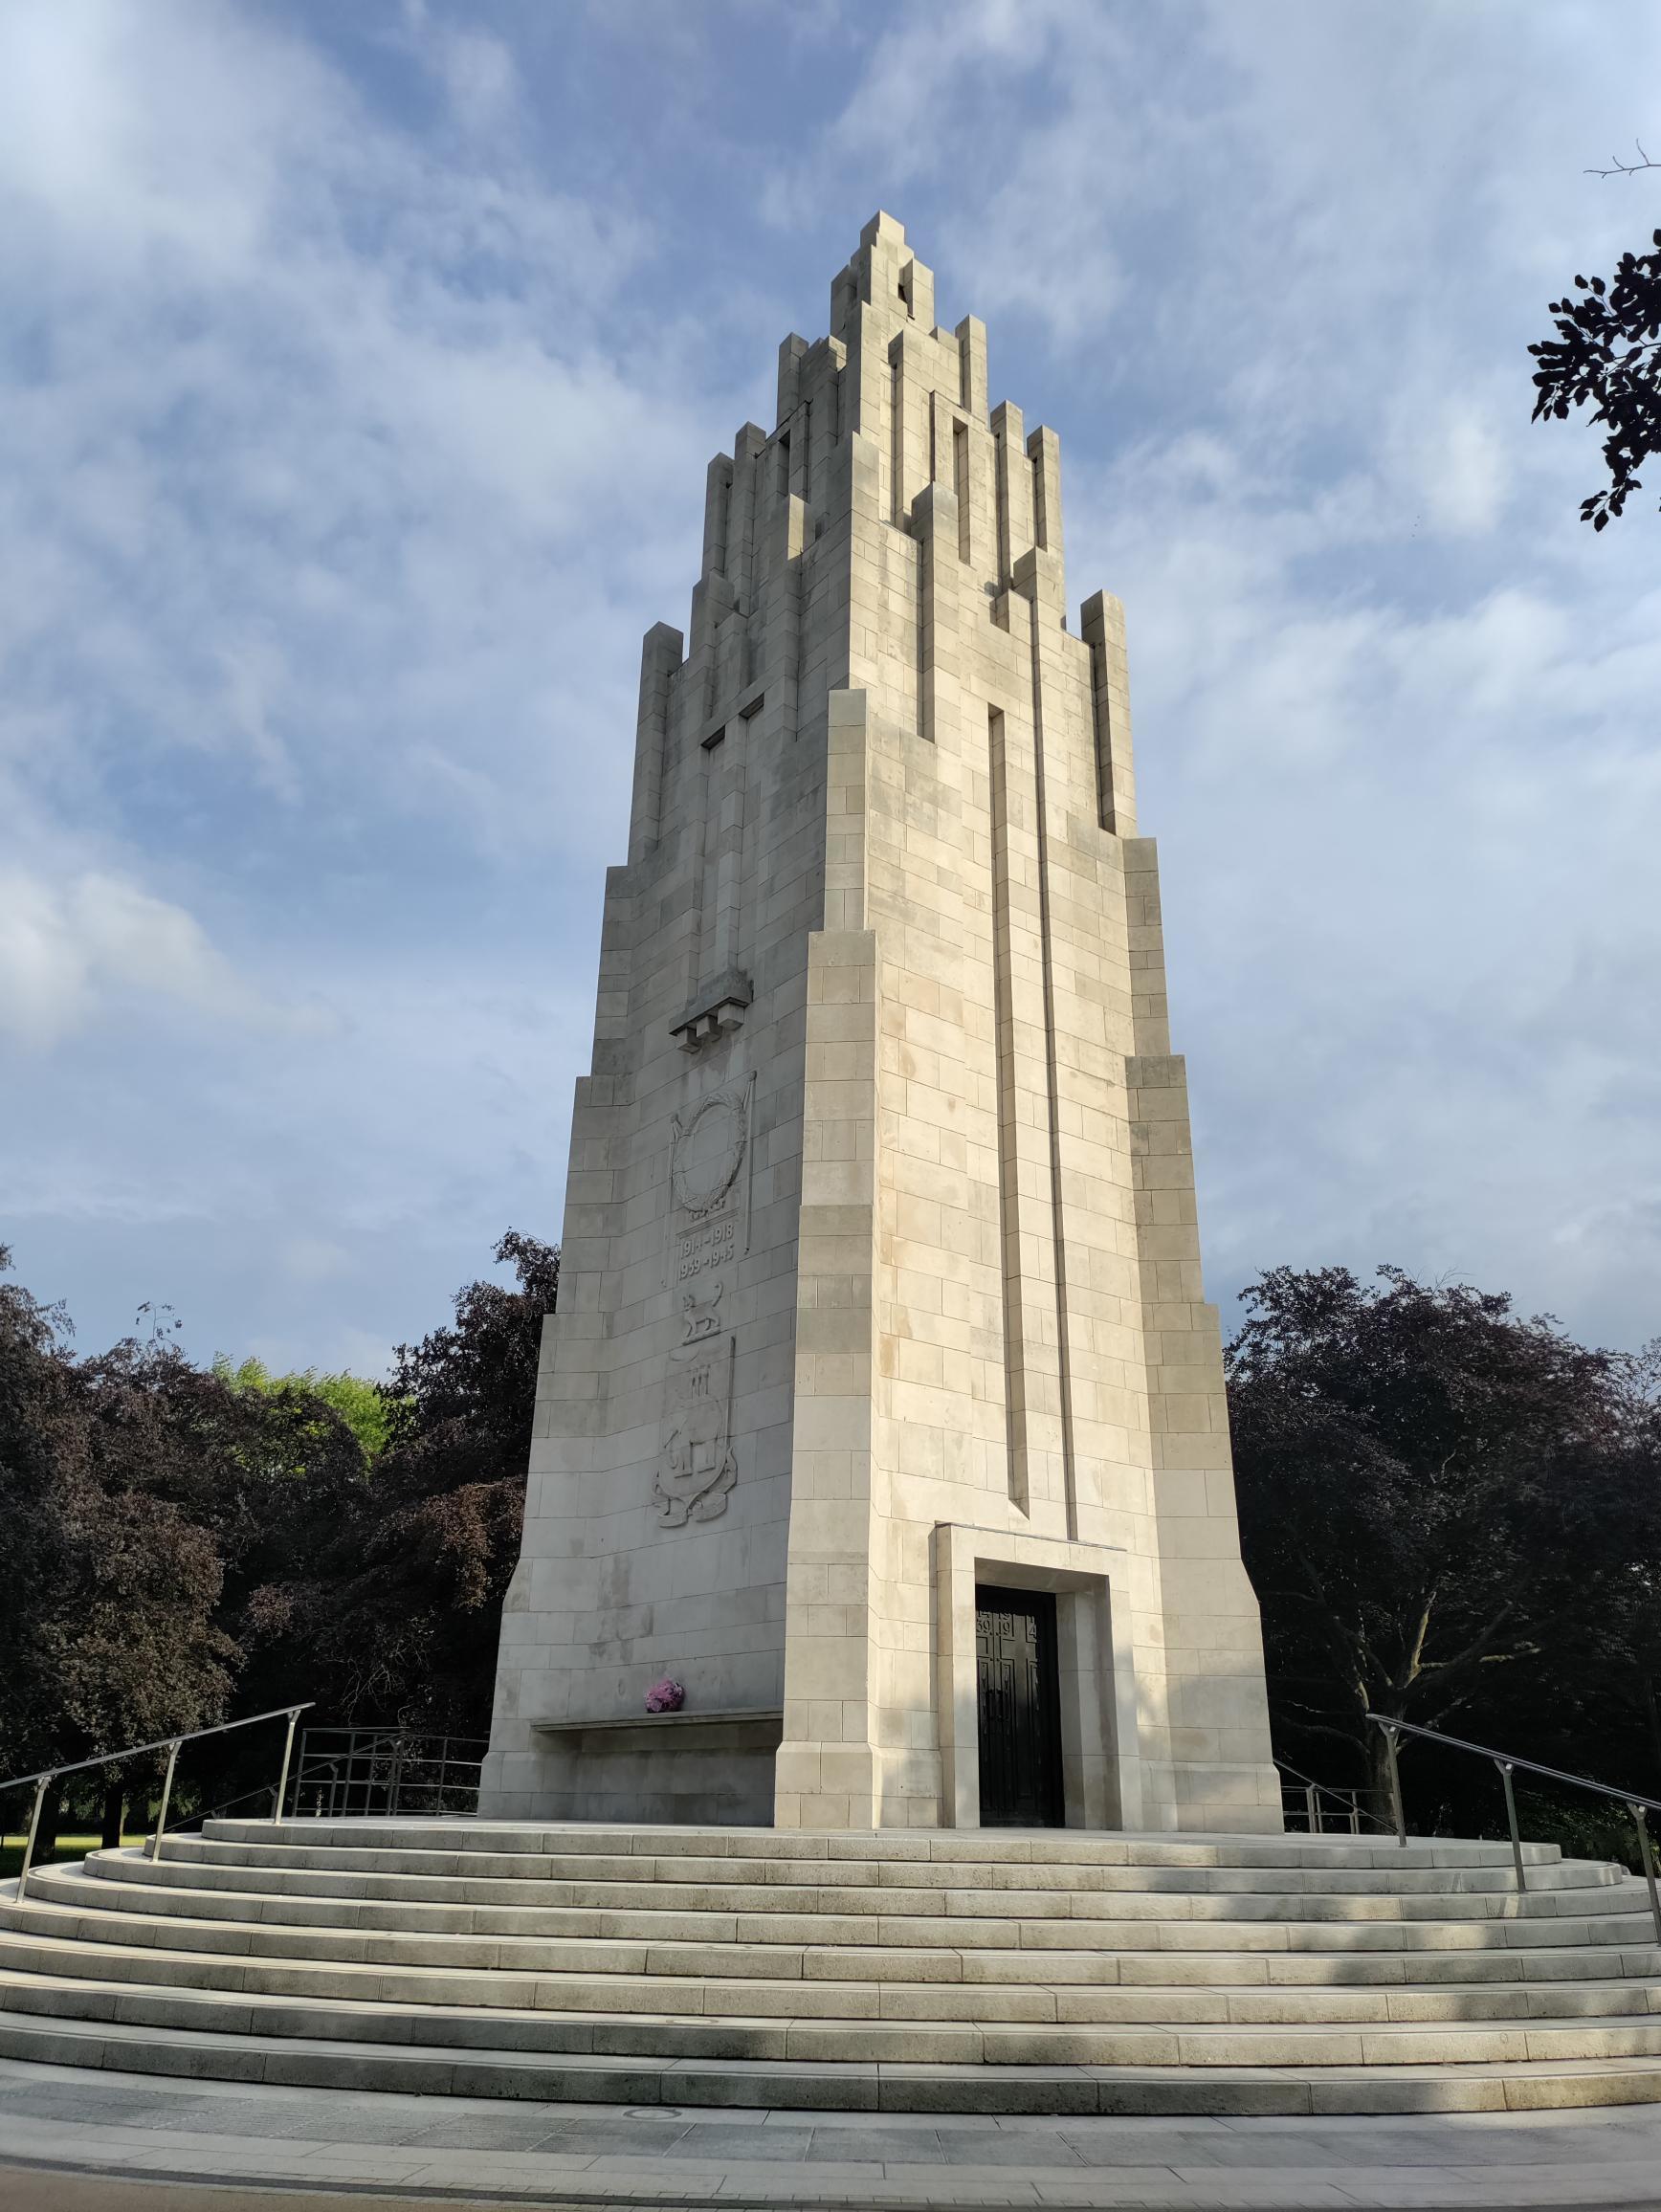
(359, 368)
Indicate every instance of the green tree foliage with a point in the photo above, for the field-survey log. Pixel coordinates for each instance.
(184, 1544)
(1451, 1515)
(401, 1618)
(1606, 355)
(113, 1587)
(363, 1405)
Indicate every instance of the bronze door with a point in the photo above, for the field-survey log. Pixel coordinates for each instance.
(1020, 1709)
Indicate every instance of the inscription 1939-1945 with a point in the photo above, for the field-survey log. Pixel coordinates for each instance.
(710, 1246)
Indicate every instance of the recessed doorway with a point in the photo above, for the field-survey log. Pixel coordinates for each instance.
(1020, 1708)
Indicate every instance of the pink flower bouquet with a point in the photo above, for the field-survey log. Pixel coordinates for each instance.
(665, 1696)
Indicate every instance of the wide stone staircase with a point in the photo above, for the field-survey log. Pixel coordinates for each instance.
(997, 1971)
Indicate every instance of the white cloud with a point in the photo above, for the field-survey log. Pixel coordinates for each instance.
(360, 377)
(1273, 270)
(314, 403)
(478, 75)
(69, 952)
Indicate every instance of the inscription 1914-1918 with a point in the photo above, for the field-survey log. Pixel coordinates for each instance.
(712, 1245)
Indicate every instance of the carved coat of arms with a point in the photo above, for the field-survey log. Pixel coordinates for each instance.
(696, 1469)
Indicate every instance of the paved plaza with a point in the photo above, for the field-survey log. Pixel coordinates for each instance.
(71, 2140)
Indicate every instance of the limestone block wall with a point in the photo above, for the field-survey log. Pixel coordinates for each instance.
(885, 899)
(671, 1358)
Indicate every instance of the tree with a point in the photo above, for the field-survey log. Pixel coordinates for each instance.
(1606, 354)
(401, 1618)
(187, 1543)
(273, 1476)
(1446, 1509)
(112, 1588)
(362, 1405)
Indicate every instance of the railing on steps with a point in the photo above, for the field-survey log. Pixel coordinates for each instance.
(172, 1745)
(1322, 1810)
(347, 1770)
(1507, 1763)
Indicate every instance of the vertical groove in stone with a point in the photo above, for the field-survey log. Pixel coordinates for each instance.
(1008, 1211)
(1101, 730)
(960, 485)
(729, 848)
(1013, 479)
(741, 518)
(1053, 1098)
(705, 866)
(897, 434)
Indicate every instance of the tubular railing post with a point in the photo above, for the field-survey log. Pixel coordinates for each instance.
(282, 1779)
(1312, 1808)
(1504, 1766)
(1395, 1785)
(166, 1793)
(40, 1790)
(1355, 1804)
(1646, 1851)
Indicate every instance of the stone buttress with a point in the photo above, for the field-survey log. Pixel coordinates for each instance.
(881, 1277)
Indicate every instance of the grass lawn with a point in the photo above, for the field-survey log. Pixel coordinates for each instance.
(68, 1847)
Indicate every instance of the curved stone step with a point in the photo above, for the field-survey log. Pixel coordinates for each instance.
(1013, 1962)
(91, 1912)
(522, 1955)
(153, 1898)
(465, 1844)
(866, 2084)
(888, 1845)
(214, 1860)
(652, 1988)
(53, 1922)
(793, 2034)
(130, 1871)
(292, 1884)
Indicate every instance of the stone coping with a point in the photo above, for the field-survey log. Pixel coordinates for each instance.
(754, 1717)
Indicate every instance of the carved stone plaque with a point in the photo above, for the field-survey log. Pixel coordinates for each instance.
(708, 1231)
(696, 1468)
(709, 1186)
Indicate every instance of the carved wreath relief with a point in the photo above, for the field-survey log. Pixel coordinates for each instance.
(707, 1152)
(696, 1468)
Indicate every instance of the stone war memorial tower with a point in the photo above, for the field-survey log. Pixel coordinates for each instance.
(882, 1410)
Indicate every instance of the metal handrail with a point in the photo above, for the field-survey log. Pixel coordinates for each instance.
(389, 1762)
(1640, 1808)
(1625, 1796)
(172, 1745)
(1348, 1801)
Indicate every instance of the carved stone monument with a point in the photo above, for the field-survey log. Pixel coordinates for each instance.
(882, 1408)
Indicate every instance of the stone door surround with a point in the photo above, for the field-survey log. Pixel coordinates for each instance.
(1100, 1780)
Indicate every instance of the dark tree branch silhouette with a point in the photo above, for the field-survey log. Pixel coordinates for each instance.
(1623, 169)
(1606, 355)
